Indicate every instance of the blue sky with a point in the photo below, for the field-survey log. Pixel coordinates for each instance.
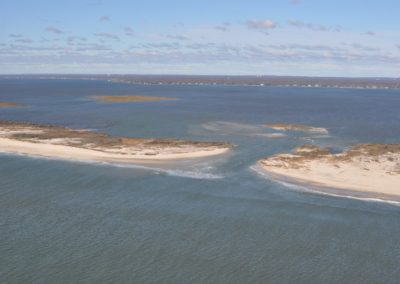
(253, 37)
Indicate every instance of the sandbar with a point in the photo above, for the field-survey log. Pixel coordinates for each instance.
(297, 127)
(127, 99)
(367, 168)
(9, 104)
(65, 143)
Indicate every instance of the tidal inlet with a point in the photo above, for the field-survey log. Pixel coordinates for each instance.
(199, 142)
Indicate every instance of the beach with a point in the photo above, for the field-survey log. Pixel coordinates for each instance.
(64, 143)
(368, 168)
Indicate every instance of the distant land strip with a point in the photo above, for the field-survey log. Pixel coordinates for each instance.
(277, 81)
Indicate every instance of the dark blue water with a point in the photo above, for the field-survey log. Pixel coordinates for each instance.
(208, 221)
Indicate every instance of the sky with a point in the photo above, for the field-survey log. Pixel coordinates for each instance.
(346, 38)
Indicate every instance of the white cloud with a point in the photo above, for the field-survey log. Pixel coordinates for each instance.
(129, 31)
(261, 24)
(54, 30)
(24, 40)
(107, 35)
(313, 27)
(15, 35)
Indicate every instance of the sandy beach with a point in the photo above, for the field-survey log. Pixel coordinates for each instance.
(64, 143)
(369, 168)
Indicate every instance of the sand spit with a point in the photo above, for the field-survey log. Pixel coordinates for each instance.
(297, 127)
(59, 142)
(9, 104)
(368, 168)
(127, 99)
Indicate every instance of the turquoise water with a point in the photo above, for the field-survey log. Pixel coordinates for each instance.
(206, 221)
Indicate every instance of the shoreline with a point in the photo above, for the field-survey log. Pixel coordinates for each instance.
(64, 143)
(355, 170)
(11, 146)
(324, 189)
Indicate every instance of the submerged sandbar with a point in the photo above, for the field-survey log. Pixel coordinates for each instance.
(368, 168)
(66, 143)
(127, 99)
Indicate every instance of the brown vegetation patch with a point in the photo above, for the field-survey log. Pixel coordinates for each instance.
(90, 139)
(9, 104)
(128, 99)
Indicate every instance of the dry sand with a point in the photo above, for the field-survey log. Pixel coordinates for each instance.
(368, 168)
(59, 142)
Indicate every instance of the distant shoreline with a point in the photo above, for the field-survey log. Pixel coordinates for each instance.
(260, 81)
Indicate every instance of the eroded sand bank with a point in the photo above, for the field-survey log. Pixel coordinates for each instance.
(65, 143)
(370, 168)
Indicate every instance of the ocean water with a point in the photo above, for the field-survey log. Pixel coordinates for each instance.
(204, 221)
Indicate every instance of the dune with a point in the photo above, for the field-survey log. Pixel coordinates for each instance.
(367, 168)
(59, 142)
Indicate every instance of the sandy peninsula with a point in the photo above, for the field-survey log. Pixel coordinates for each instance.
(59, 142)
(127, 99)
(368, 168)
(9, 104)
(297, 127)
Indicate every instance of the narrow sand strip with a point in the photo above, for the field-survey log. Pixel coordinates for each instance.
(59, 142)
(75, 153)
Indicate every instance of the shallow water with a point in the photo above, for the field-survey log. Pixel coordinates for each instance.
(207, 221)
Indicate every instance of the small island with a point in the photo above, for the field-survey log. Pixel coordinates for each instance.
(9, 104)
(297, 127)
(367, 168)
(65, 143)
(128, 99)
